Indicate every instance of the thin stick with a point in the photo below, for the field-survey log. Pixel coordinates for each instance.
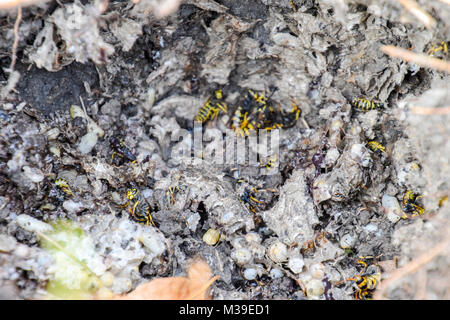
(411, 267)
(16, 40)
(430, 111)
(420, 59)
(9, 4)
(203, 288)
(417, 11)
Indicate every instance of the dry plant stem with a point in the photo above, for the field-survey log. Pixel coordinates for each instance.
(446, 1)
(16, 39)
(411, 267)
(418, 12)
(421, 285)
(203, 289)
(430, 111)
(9, 4)
(420, 59)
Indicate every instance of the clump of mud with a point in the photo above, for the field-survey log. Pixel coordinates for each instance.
(106, 100)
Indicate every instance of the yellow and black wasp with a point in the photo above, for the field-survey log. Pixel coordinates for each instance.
(258, 199)
(211, 108)
(138, 207)
(272, 162)
(63, 185)
(59, 194)
(244, 119)
(121, 153)
(376, 146)
(367, 280)
(256, 112)
(366, 105)
(410, 204)
(442, 49)
(170, 193)
(443, 201)
(249, 197)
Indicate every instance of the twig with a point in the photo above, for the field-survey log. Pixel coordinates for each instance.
(16, 39)
(417, 11)
(430, 111)
(9, 4)
(421, 285)
(420, 59)
(411, 267)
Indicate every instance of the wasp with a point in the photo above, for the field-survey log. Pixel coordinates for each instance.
(121, 151)
(293, 5)
(64, 186)
(288, 119)
(170, 193)
(249, 116)
(138, 207)
(271, 163)
(367, 280)
(249, 197)
(211, 108)
(259, 98)
(366, 105)
(443, 201)
(241, 123)
(410, 205)
(443, 47)
(256, 203)
(376, 146)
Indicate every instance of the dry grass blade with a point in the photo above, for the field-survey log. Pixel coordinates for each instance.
(411, 267)
(9, 4)
(418, 12)
(420, 59)
(430, 111)
(16, 38)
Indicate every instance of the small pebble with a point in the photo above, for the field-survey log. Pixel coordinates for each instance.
(392, 208)
(73, 206)
(53, 133)
(87, 142)
(317, 271)
(211, 237)
(33, 225)
(7, 243)
(277, 252)
(252, 237)
(34, 174)
(314, 288)
(296, 264)
(241, 256)
(250, 274)
(347, 241)
(152, 242)
(276, 273)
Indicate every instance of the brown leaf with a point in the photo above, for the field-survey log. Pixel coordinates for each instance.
(194, 287)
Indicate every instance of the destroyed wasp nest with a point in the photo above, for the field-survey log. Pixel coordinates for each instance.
(312, 70)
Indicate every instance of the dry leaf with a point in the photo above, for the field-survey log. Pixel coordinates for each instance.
(194, 287)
